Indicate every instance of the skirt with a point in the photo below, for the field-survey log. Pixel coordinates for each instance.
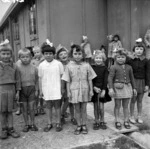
(124, 92)
(7, 96)
(140, 85)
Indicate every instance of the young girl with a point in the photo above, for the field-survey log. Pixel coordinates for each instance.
(37, 59)
(141, 74)
(29, 88)
(121, 84)
(100, 87)
(9, 86)
(62, 55)
(87, 49)
(78, 76)
(50, 72)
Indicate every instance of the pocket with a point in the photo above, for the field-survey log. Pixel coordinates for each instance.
(118, 85)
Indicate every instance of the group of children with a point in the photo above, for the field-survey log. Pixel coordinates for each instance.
(66, 79)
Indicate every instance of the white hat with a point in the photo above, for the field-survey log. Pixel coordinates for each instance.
(84, 37)
(139, 40)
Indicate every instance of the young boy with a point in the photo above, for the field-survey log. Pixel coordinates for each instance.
(37, 59)
(29, 88)
(50, 72)
(9, 86)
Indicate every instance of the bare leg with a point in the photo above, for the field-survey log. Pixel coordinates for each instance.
(25, 112)
(31, 111)
(83, 112)
(10, 119)
(139, 104)
(78, 113)
(65, 106)
(96, 112)
(125, 103)
(117, 109)
(102, 111)
(3, 118)
(49, 112)
(132, 105)
(58, 111)
(71, 107)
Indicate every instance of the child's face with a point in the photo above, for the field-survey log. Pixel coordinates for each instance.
(49, 56)
(25, 58)
(77, 55)
(37, 53)
(5, 56)
(116, 39)
(120, 59)
(98, 60)
(103, 50)
(63, 56)
(139, 51)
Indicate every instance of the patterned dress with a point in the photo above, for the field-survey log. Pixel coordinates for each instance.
(79, 75)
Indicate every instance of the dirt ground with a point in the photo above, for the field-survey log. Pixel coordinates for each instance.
(39, 139)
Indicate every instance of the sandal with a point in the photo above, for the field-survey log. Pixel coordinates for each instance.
(48, 127)
(95, 126)
(84, 129)
(58, 127)
(73, 121)
(118, 125)
(127, 125)
(103, 125)
(78, 130)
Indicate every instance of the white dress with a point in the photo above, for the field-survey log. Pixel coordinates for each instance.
(50, 74)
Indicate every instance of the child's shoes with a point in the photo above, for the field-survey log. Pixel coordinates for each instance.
(95, 126)
(4, 134)
(42, 112)
(84, 129)
(63, 121)
(78, 130)
(48, 127)
(73, 121)
(139, 120)
(58, 127)
(132, 120)
(33, 127)
(13, 133)
(127, 125)
(26, 128)
(118, 125)
(103, 125)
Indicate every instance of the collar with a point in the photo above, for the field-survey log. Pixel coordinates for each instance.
(141, 57)
(8, 64)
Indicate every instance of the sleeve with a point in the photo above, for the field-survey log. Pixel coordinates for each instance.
(61, 67)
(66, 75)
(111, 76)
(105, 80)
(18, 78)
(132, 77)
(91, 73)
(40, 72)
(36, 79)
(119, 44)
(147, 73)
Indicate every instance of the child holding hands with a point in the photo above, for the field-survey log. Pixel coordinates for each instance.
(9, 86)
(121, 87)
(78, 75)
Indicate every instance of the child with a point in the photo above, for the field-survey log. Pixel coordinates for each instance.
(79, 75)
(62, 55)
(29, 88)
(100, 86)
(87, 49)
(50, 72)
(121, 83)
(140, 70)
(37, 59)
(9, 86)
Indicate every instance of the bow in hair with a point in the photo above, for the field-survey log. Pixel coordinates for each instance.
(49, 43)
(4, 42)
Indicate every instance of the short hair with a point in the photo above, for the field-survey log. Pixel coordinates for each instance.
(140, 45)
(6, 47)
(23, 51)
(47, 48)
(35, 48)
(102, 54)
(116, 36)
(121, 51)
(103, 47)
(59, 51)
(78, 49)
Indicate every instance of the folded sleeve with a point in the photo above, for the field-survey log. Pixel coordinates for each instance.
(91, 73)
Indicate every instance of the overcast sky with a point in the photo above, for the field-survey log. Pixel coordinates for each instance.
(3, 8)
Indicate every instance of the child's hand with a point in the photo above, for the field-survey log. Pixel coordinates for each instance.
(91, 93)
(69, 95)
(111, 92)
(40, 95)
(17, 96)
(36, 93)
(134, 92)
(146, 89)
(103, 94)
(97, 90)
(62, 91)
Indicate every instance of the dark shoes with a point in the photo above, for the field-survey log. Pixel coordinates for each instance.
(118, 125)
(95, 126)
(103, 125)
(127, 125)
(11, 132)
(73, 121)
(33, 127)
(58, 127)
(78, 130)
(26, 128)
(84, 129)
(48, 127)
(63, 121)
(4, 134)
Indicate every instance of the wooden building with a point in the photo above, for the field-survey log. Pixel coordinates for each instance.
(62, 21)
